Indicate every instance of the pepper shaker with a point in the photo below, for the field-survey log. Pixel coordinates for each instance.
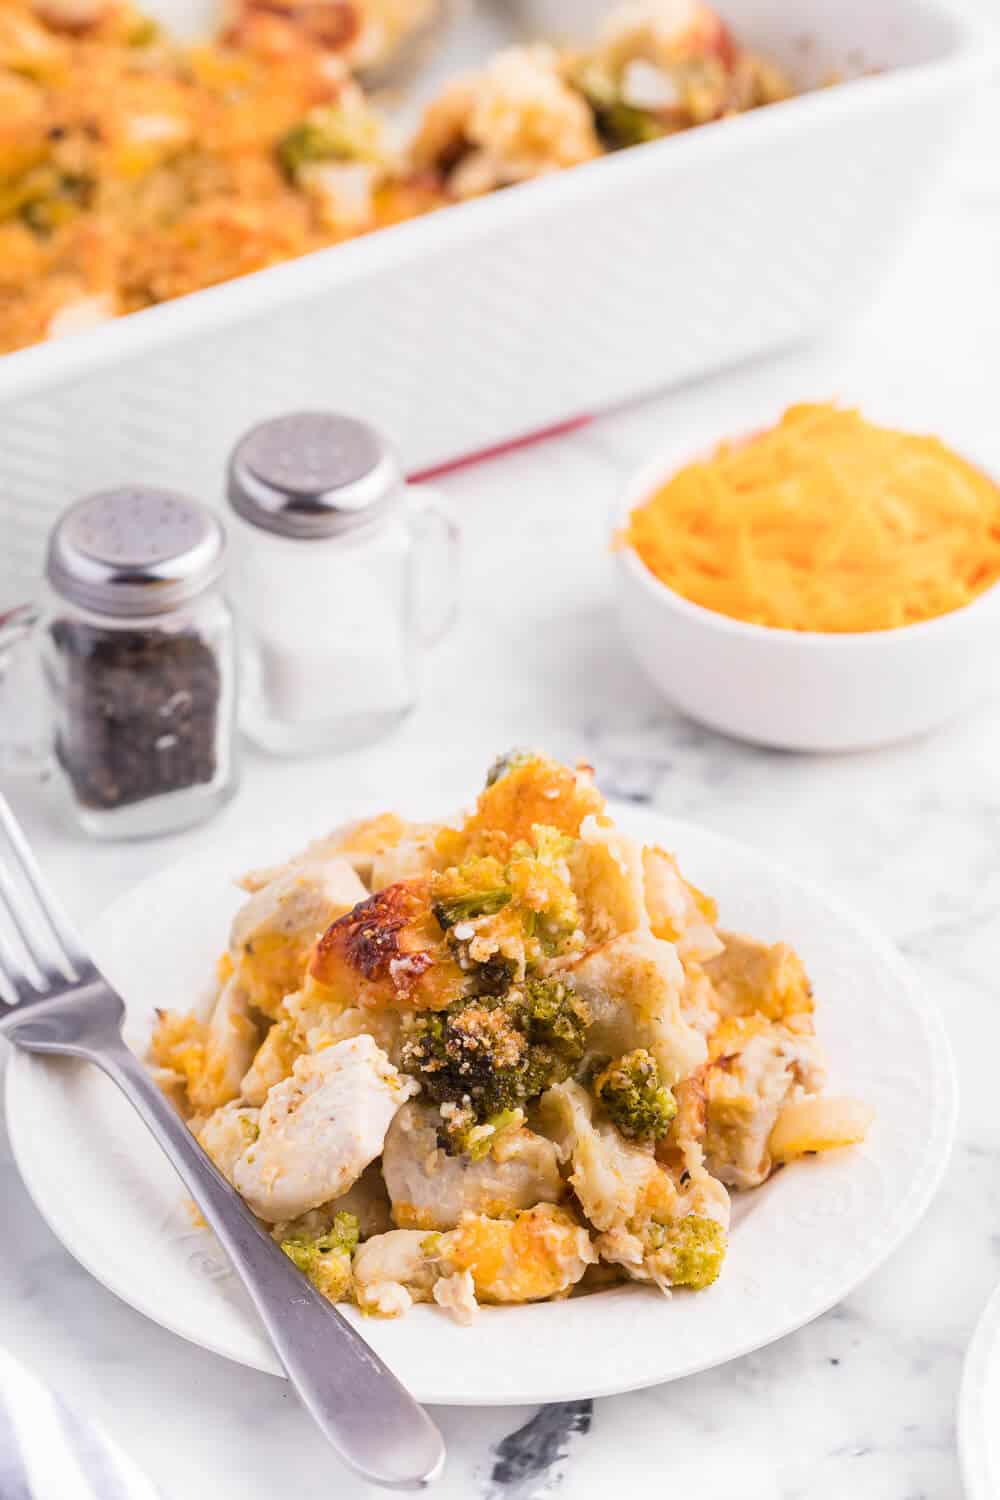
(330, 581)
(138, 661)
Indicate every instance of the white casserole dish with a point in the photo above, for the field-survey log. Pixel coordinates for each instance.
(505, 316)
(799, 689)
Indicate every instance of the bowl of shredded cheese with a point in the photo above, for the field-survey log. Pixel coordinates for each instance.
(822, 584)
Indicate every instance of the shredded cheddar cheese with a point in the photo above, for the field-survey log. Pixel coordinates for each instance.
(826, 523)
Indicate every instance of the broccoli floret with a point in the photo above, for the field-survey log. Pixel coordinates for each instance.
(510, 762)
(331, 133)
(326, 1258)
(45, 198)
(634, 1097)
(556, 1016)
(495, 1052)
(465, 908)
(617, 124)
(495, 976)
(477, 888)
(688, 1251)
(620, 125)
(143, 32)
(476, 1139)
(533, 883)
(547, 845)
(542, 887)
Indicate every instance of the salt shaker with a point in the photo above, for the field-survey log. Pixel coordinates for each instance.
(332, 579)
(135, 643)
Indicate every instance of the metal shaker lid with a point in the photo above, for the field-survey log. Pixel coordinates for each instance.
(313, 474)
(134, 551)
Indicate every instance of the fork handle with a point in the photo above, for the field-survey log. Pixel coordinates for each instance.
(369, 1417)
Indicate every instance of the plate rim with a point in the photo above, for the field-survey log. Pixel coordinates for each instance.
(978, 1476)
(936, 1156)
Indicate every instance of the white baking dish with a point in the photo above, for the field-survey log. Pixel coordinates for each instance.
(503, 316)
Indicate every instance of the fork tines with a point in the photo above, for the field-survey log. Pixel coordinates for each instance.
(39, 950)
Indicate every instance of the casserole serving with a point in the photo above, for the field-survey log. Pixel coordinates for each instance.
(500, 1061)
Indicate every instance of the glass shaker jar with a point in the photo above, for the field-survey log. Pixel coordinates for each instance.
(330, 548)
(138, 662)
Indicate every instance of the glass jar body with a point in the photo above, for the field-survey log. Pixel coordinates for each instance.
(331, 647)
(143, 713)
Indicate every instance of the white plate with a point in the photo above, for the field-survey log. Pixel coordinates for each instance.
(979, 1407)
(798, 1246)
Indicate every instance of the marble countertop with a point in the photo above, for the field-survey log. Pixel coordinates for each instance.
(863, 1400)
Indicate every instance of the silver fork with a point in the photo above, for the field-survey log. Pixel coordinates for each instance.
(61, 1003)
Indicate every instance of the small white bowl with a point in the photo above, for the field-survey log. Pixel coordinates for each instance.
(803, 690)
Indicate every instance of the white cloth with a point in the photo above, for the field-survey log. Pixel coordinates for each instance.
(50, 1451)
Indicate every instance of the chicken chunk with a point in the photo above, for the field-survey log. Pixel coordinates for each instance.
(366, 1199)
(273, 1061)
(688, 1125)
(232, 1038)
(227, 1133)
(457, 1295)
(749, 976)
(318, 1021)
(389, 952)
(412, 855)
(662, 32)
(394, 1270)
(677, 910)
(431, 1190)
(623, 887)
(633, 979)
(633, 987)
(320, 1128)
(607, 873)
(274, 932)
(757, 1066)
(357, 843)
(699, 1002)
(611, 1177)
(515, 120)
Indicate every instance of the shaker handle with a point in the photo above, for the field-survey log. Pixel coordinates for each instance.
(24, 726)
(441, 532)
